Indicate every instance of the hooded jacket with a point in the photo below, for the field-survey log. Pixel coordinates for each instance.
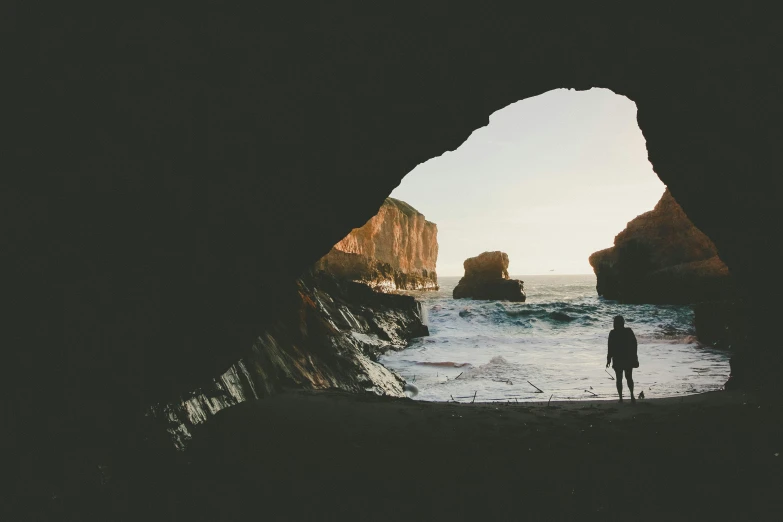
(622, 349)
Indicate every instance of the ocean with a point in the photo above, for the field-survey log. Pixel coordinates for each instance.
(555, 341)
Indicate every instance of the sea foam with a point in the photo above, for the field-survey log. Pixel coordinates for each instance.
(555, 342)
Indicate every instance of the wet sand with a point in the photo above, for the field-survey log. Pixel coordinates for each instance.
(337, 456)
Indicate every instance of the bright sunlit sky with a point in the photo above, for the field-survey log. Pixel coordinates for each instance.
(549, 181)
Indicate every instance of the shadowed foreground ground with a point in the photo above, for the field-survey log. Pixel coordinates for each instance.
(333, 456)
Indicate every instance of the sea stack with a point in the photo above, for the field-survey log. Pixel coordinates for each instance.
(486, 277)
(662, 258)
(395, 250)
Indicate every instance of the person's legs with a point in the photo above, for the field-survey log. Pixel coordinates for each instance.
(619, 382)
(629, 380)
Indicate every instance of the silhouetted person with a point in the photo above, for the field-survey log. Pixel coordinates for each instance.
(622, 355)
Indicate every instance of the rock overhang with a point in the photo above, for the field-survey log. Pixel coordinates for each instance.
(170, 185)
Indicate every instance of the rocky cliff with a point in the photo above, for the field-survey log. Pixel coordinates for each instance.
(395, 250)
(661, 257)
(329, 335)
(486, 277)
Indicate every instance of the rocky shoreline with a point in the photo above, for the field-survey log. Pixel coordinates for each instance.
(334, 323)
(329, 337)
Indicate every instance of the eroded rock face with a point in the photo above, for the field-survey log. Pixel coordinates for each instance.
(329, 335)
(486, 277)
(661, 257)
(397, 249)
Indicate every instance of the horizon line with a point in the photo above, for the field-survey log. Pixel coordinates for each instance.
(544, 273)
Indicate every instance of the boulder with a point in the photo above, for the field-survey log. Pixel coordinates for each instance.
(662, 258)
(486, 277)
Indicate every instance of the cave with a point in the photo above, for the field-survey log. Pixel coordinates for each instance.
(170, 173)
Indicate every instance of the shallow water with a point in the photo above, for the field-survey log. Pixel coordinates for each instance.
(556, 340)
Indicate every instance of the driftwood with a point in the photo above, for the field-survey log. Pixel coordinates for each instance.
(536, 387)
(588, 391)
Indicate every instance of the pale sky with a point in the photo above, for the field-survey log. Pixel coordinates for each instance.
(549, 181)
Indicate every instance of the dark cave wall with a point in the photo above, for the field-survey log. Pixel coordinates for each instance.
(168, 174)
(329, 335)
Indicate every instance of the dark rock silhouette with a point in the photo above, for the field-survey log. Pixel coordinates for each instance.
(328, 336)
(397, 249)
(661, 257)
(725, 325)
(721, 324)
(486, 277)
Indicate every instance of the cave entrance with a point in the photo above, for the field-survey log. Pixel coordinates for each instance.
(549, 181)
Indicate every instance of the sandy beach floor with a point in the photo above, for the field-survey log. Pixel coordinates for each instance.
(337, 456)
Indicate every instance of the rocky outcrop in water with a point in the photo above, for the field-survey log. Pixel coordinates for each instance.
(486, 277)
(329, 336)
(661, 257)
(395, 250)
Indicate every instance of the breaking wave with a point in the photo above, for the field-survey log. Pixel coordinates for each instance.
(446, 364)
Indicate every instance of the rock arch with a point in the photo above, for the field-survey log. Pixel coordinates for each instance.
(170, 172)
